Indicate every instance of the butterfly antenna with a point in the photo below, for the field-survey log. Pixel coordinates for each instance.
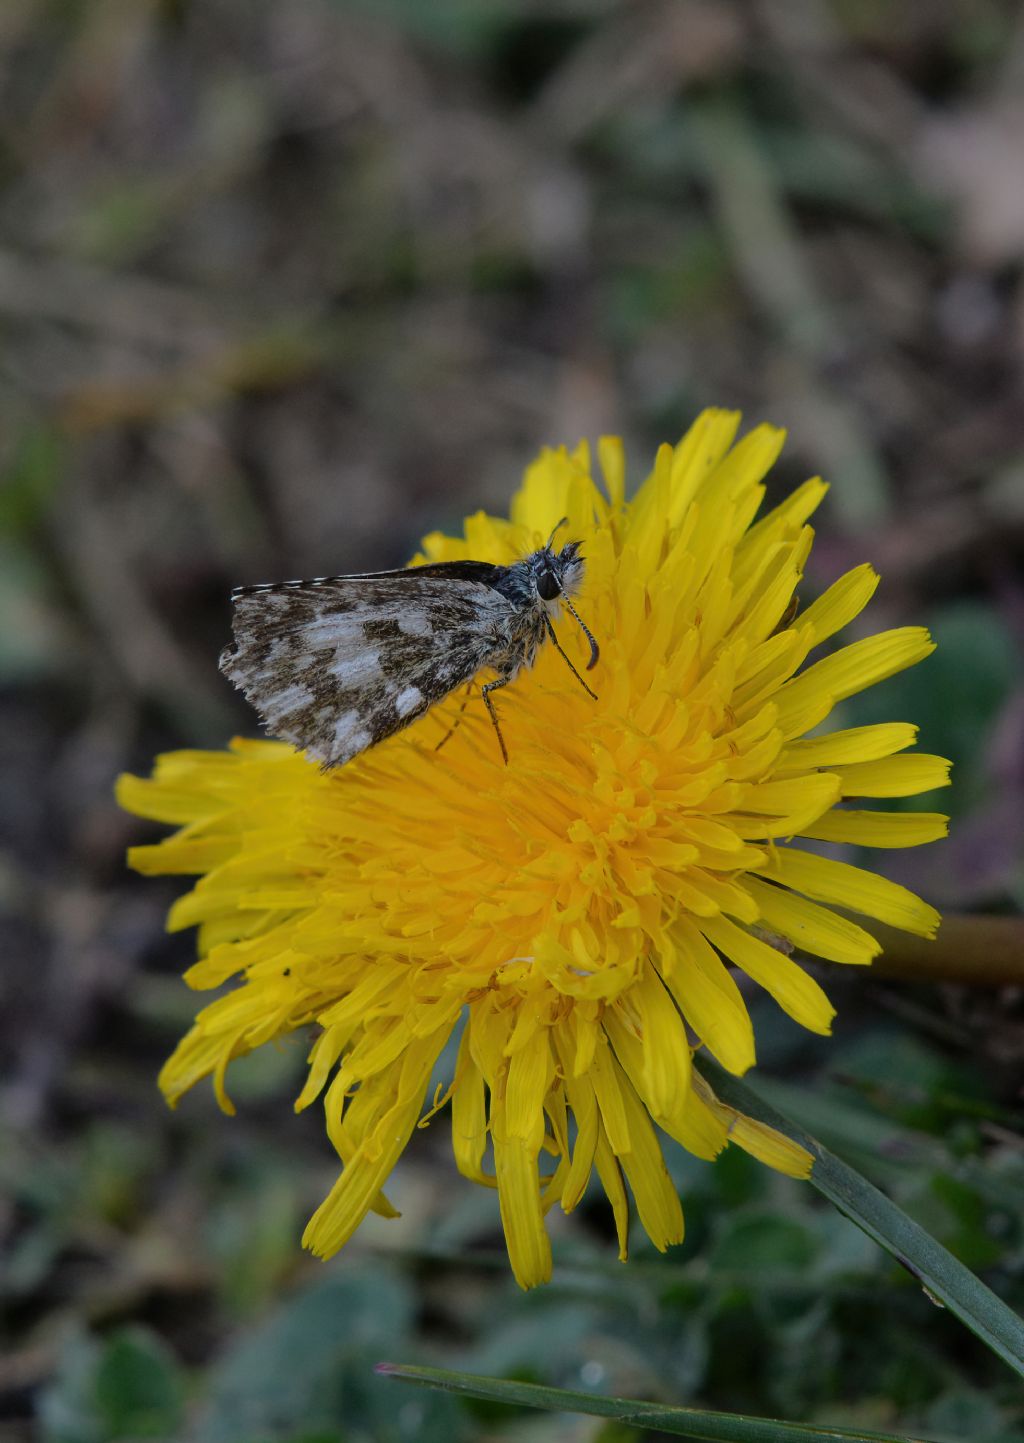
(595, 650)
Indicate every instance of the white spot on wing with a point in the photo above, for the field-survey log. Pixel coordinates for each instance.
(333, 629)
(408, 700)
(288, 699)
(350, 738)
(358, 670)
(345, 727)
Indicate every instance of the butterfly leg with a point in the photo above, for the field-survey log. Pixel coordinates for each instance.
(485, 693)
(565, 658)
(458, 718)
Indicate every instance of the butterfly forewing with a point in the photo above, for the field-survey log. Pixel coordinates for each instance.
(338, 664)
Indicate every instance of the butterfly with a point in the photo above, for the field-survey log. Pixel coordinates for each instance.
(338, 663)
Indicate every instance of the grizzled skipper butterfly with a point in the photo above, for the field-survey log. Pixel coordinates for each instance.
(336, 664)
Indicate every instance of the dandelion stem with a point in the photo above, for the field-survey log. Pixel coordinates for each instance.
(976, 951)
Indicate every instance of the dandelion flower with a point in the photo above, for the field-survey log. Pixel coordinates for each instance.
(581, 913)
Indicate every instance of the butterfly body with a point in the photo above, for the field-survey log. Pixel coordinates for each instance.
(339, 663)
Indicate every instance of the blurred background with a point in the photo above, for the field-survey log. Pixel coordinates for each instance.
(283, 286)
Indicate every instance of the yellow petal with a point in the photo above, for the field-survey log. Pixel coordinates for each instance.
(683, 1122)
(783, 522)
(794, 991)
(708, 997)
(182, 854)
(612, 457)
(657, 1201)
(323, 1056)
(895, 776)
(351, 1197)
(878, 829)
(522, 1218)
(164, 803)
(856, 744)
(792, 804)
(702, 448)
(606, 1079)
(588, 1129)
(744, 466)
(837, 607)
(853, 887)
(194, 1057)
(666, 1067)
(854, 667)
(772, 1148)
(814, 929)
(610, 1173)
(529, 1077)
(348, 1126)
(469, 1114)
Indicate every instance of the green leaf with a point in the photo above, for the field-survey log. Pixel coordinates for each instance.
(129, 1386)
(967, 1414)
(30, 479)
(763, 1240)
(945, 1279)
(304, 1372)
(682, 1422)
(139, 1387)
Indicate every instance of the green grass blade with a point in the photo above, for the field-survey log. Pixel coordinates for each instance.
(945, 1279)
(682, 1422)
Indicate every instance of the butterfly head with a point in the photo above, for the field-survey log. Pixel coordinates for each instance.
(557, 574)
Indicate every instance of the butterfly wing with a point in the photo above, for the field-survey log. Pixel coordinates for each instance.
(337, 664)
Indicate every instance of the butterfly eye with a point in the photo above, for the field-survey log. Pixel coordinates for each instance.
(547, 586)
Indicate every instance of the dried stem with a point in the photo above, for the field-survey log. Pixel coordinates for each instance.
(975, 951)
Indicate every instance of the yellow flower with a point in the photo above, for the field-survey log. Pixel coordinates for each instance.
(576, 912)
